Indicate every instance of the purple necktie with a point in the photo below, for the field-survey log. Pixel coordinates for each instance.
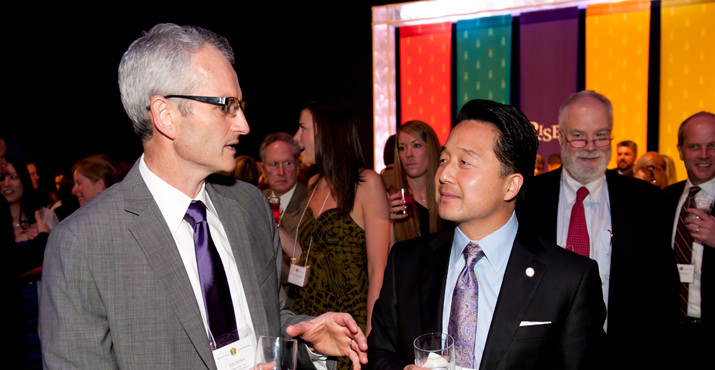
(463, 315)
(683, 247)
(214, 285)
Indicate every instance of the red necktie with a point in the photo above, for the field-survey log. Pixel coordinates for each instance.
(577, 239)
(683, 247)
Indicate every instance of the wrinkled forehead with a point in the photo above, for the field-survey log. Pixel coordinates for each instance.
(587, 115)
(279, 151)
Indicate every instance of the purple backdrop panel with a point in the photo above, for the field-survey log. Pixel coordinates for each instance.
(548, 68)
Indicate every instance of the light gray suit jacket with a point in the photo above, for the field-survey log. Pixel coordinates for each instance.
(115, 293)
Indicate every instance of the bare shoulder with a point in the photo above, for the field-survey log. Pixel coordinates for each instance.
(370, 180)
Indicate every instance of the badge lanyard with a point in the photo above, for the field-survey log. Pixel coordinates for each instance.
(298, 275)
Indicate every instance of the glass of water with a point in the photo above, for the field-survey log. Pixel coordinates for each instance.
(434, 351)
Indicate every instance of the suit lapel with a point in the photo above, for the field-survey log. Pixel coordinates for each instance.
(155, 239)
(298, 195)
(515, 294)
(433, 275)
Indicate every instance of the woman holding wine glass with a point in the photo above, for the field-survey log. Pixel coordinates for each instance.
(413, 208)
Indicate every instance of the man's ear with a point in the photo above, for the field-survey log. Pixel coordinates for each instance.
(513, 183)
(162, 116)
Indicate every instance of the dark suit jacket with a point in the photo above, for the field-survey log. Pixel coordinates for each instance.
(643, 295)
(115, 292)
(565, 290)
(672, 194)
(292, 213)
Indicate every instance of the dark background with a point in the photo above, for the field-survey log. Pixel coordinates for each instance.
(62, 102)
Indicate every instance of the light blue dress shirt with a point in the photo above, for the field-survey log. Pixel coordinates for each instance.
(490, 274)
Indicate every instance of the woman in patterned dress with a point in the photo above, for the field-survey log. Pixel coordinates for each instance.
(344, 232)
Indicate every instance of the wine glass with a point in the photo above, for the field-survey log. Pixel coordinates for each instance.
(434, 351)
(275, 353)
(275, 203)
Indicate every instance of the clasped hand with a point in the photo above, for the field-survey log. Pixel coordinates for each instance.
(701, 227)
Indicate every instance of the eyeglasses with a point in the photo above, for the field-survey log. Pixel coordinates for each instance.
(599, 143)
(228, 104)
(651, 170)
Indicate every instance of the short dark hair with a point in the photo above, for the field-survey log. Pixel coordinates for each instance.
(516, 142)
(630, 144)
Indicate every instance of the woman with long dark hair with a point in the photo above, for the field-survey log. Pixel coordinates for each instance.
(345, 229)
(31, 225)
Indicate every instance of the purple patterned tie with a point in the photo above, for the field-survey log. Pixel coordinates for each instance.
(463, 315)
(214, 285)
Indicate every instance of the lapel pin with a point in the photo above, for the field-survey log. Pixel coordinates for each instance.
(529, 272)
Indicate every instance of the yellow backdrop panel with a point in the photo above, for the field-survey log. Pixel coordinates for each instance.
(617, 37)
(687, 77)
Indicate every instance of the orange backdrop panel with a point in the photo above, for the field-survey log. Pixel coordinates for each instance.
(617, 39)
(687, 69)
(425, 75)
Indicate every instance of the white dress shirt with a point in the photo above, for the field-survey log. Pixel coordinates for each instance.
(490, 274)
(706, 188)
(173, 205)
(597, 207)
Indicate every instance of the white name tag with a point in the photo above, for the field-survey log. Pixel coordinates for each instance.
(235, 356)
(298, 275)
(687, 273)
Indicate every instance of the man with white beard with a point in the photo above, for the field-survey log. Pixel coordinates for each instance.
(614, 220)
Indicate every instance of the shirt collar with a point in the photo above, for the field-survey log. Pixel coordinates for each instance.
(287, 196)
(496, 246)
(708, 186)
(171, 201)
(571, 186)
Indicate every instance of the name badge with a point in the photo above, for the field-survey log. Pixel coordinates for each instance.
(298, 275)
(235, 356)
(687, 273)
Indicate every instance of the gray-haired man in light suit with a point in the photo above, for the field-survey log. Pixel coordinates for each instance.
(121, 287)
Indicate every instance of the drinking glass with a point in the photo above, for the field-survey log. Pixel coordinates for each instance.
(407, 200)
(275, 204)
(434, 351)
(275, 353)
(703, 203)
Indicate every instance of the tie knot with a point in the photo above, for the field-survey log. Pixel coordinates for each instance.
(196, 213)
(581, 194)
(473, 253)
(693, 190)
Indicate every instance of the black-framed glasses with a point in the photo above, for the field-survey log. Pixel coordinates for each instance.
(599, 143)
(229, 104)
(651, 170)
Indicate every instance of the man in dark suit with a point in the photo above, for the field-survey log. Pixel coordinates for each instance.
(280, 160)
(125, 277)
(696, 146)
(625, 236)
(539, 307)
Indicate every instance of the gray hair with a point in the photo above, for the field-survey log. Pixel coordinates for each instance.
(575, 97)
(279, 136)
(159, 63)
